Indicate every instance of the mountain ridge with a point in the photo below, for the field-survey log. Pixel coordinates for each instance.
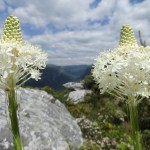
(55, 76)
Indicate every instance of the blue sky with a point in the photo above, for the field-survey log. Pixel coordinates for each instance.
(76, 31)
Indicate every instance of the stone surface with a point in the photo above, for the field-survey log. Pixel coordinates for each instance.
(77, 96)
(77, 93)
(74, 86)
(44, 122)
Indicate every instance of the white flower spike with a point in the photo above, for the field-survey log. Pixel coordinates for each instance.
(124, 71)
(18, 60)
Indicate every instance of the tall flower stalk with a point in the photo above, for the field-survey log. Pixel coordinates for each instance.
(12, 107)
(134, 124)
(19, 62)
(125, 73)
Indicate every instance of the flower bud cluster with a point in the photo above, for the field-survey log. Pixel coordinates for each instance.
(127, 36)
(12, 30)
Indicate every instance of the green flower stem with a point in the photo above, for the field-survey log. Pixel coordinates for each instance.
(12, 107)
(134, 124)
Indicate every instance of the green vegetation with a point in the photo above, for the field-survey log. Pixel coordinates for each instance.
(113, 118)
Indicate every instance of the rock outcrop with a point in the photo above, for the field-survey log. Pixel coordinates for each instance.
(73, 86)
(45, 123)
(77, 92)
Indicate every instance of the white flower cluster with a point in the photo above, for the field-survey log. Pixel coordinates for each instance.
(124, 71)
(18, 61)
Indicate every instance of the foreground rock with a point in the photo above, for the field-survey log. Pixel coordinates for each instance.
(77, 92)
(45, 123)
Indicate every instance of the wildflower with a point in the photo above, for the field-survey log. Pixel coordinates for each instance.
(19, 62)
(124, 70)
(125, 73)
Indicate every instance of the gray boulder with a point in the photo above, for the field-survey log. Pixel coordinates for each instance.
(77, 92)
(45, 123)
(77, 96)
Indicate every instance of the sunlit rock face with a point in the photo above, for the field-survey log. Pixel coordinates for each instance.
(77, 92)
(45, 123)
(78, 96)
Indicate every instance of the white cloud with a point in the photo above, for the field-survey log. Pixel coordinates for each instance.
(77, 46)
(84, 43)
(58, 12)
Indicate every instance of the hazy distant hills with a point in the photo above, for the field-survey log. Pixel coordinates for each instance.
(55, 76)
(78, 71)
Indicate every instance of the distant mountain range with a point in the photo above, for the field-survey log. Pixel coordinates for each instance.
(55, 76)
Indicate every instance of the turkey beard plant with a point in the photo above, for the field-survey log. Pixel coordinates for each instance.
(125, 73)
(19, 62)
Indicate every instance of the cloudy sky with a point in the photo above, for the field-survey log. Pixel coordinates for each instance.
(76, 31)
